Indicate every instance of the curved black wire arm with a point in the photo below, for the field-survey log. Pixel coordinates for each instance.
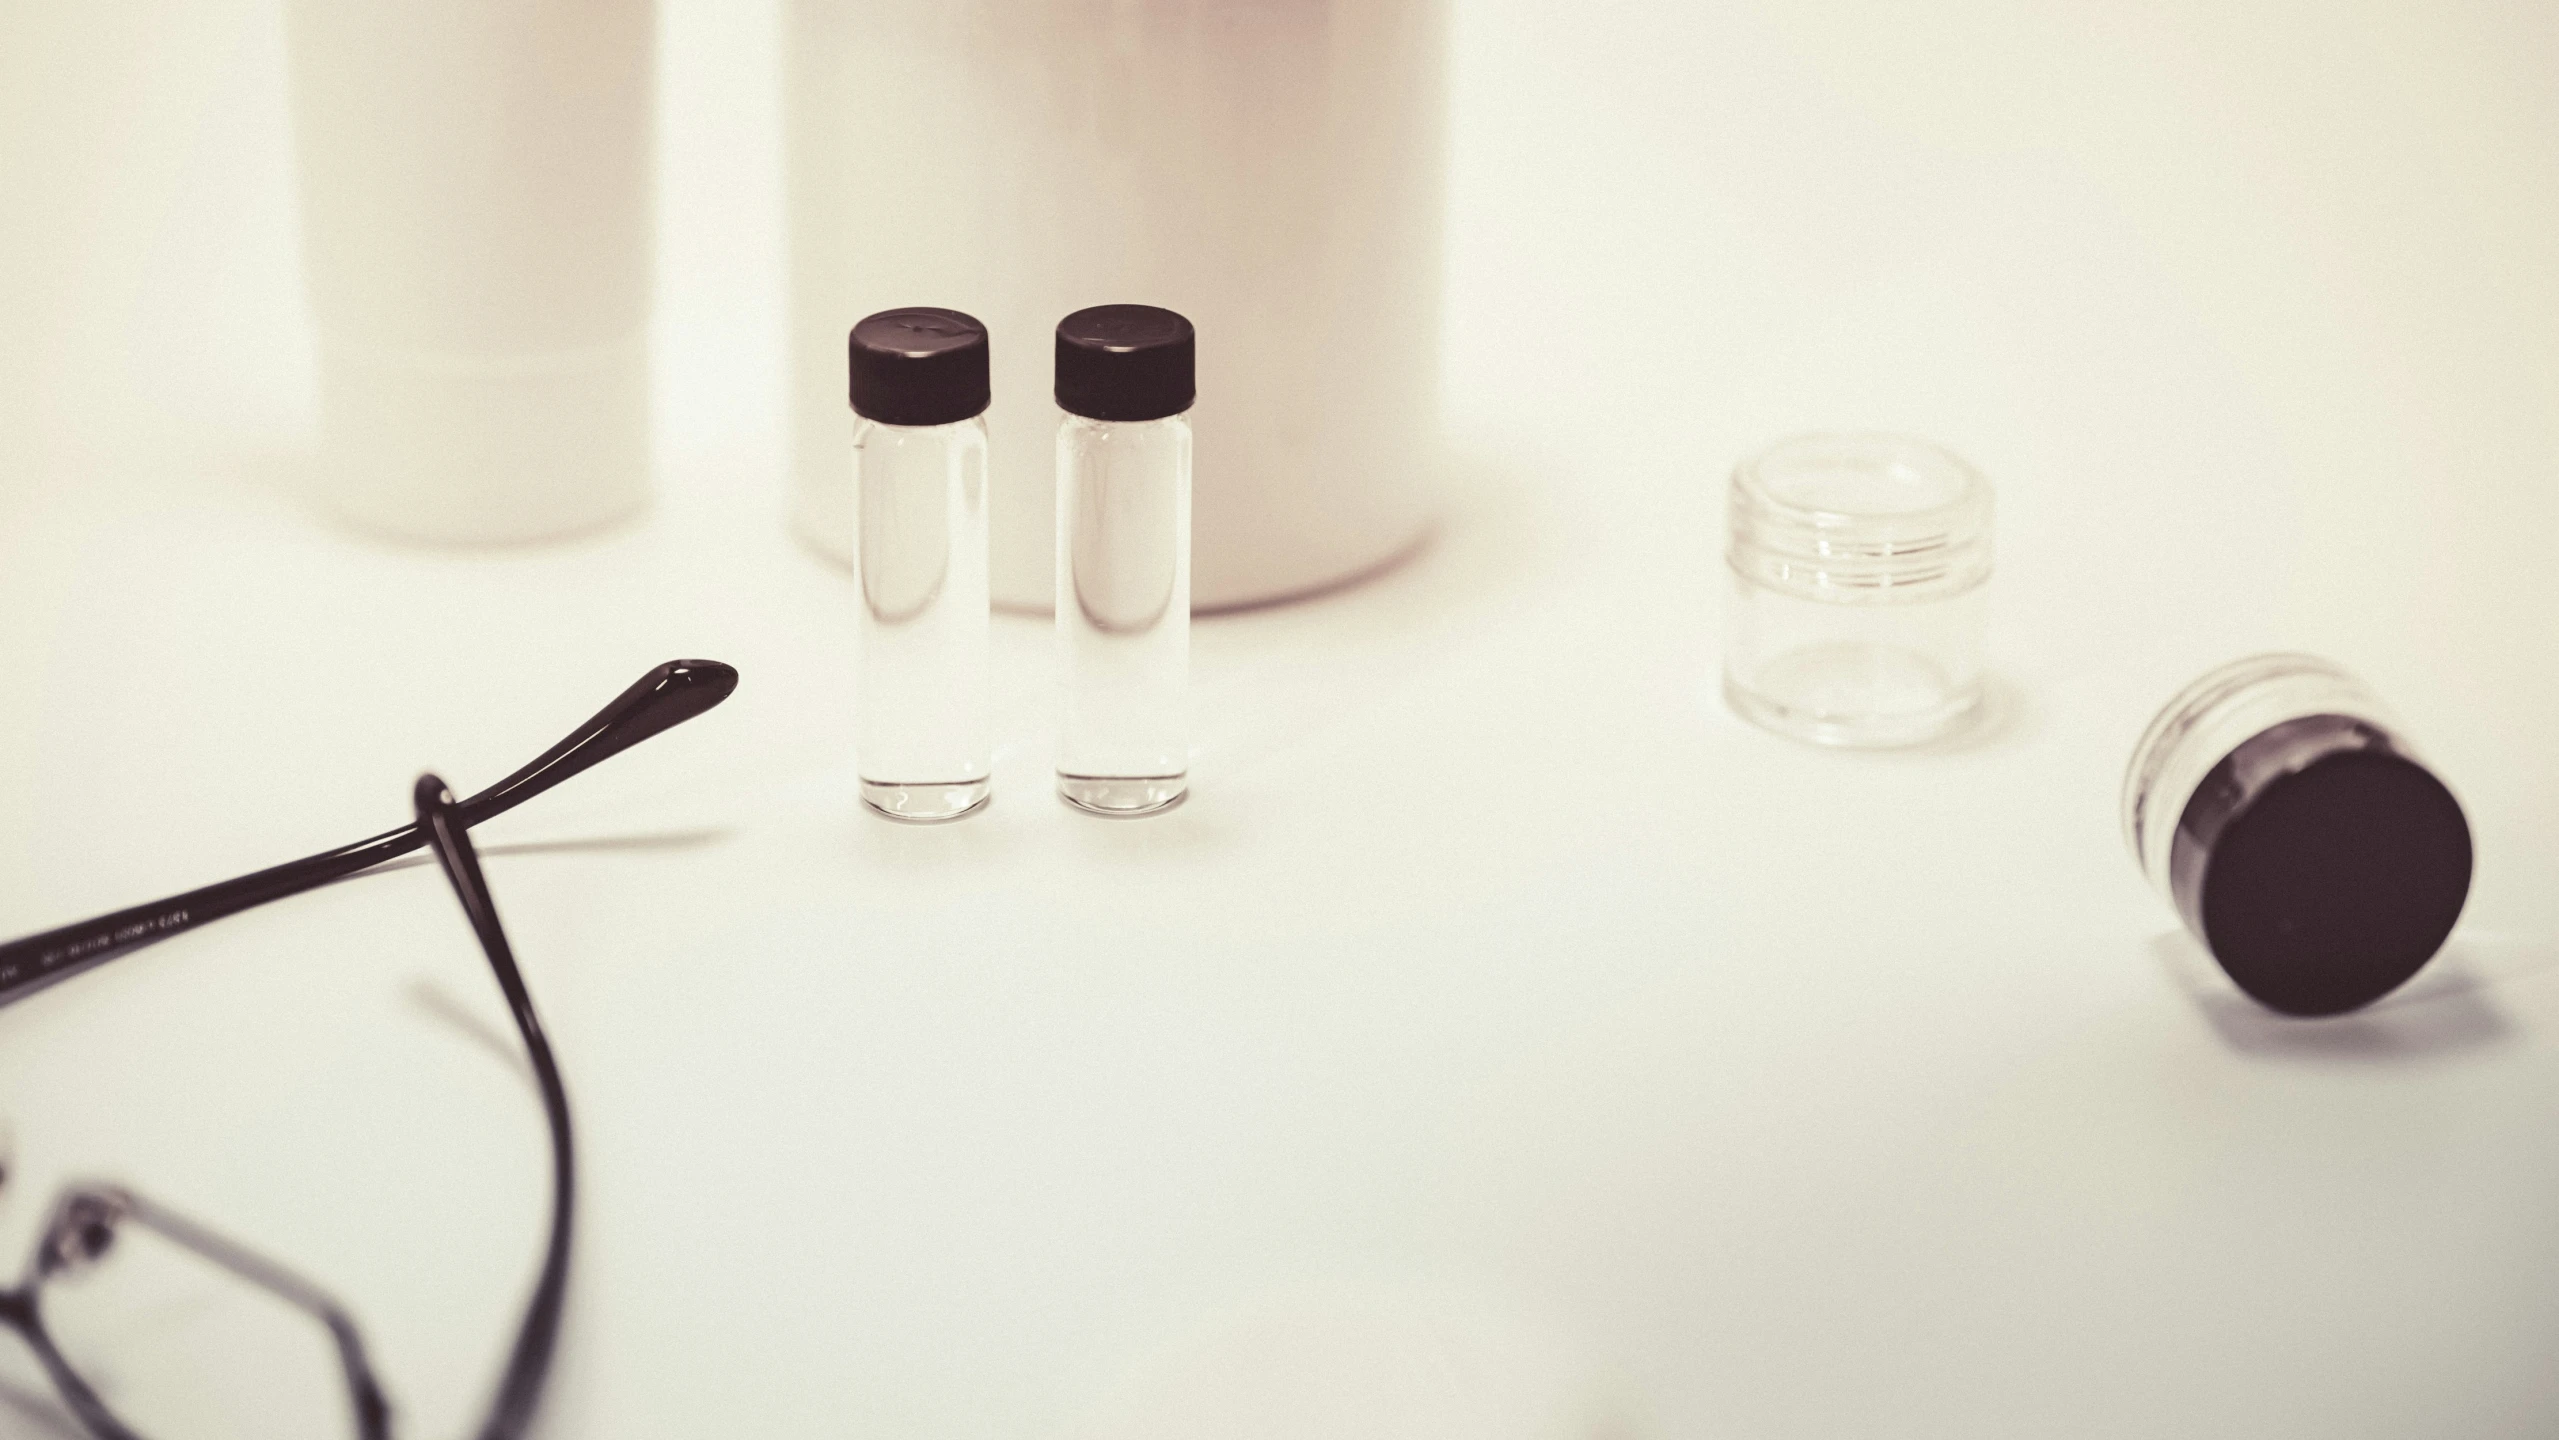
(528, 1364)
(662, 699)
(18, 1312)
(86, 1219)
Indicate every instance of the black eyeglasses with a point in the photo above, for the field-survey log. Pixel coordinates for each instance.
(133, 1309)
(140, 1316)
(660, 700)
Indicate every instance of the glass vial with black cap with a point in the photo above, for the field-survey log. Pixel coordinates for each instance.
(2277, 805)
(919, 386)
(1125, 380)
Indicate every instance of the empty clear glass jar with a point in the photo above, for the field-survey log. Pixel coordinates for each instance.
(1860, 565)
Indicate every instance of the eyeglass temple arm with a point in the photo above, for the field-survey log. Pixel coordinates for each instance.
(662, 699)
(529, 1362)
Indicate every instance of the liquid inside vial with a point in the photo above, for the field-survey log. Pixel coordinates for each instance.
(922, 741)
(1124, 613)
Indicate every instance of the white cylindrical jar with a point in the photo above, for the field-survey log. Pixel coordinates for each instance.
(1270, 168)
(475, 179)
(1859, 567)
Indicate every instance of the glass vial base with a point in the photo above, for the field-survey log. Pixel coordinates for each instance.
(1831, 697)
(1123, 796)
(927, 804)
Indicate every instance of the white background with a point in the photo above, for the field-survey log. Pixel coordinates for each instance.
(1525, 1043)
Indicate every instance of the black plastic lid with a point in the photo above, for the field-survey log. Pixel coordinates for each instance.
(919, 366)
(2321, 864)
(1126, 362)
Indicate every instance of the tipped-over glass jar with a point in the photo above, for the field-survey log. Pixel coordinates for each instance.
(1859, 570)
(2275, 804)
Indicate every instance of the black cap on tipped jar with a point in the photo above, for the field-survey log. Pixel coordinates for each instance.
(2322, 864)
(919, 366)
(1126, 362)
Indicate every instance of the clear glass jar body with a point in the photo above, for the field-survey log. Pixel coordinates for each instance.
(2211, 719)
(1124, 613)
(1860, 566)
(922, 738)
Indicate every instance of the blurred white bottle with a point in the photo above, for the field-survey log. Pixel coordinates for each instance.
(475, 180)
(1270, 168)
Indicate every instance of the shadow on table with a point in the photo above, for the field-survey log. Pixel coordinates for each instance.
(693, 839)
(665, 840)
(661, 840)
(442, 1006)
(2446, 1010)
(445, 1008)
(2006, 716)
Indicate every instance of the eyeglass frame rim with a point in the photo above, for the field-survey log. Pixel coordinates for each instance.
(526, 1375)
(22, 1309)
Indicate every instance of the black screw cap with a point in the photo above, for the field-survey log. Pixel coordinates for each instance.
(919, 366)
(2321, 864)
(1126, 362)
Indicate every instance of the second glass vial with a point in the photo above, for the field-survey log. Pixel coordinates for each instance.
(1125, 380)
(919, 386)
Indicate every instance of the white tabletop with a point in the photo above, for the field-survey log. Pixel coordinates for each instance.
(1504, 1039)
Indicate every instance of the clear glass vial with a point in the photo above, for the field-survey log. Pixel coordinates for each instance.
(919, 388)
(1859, 570)
(1125, 380)
(2276, 805)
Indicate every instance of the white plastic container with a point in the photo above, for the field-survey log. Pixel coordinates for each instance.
(475, 179)
(1269, 168)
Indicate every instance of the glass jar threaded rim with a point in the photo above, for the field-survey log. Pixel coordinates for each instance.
(2211, 717)
(1859, 518)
